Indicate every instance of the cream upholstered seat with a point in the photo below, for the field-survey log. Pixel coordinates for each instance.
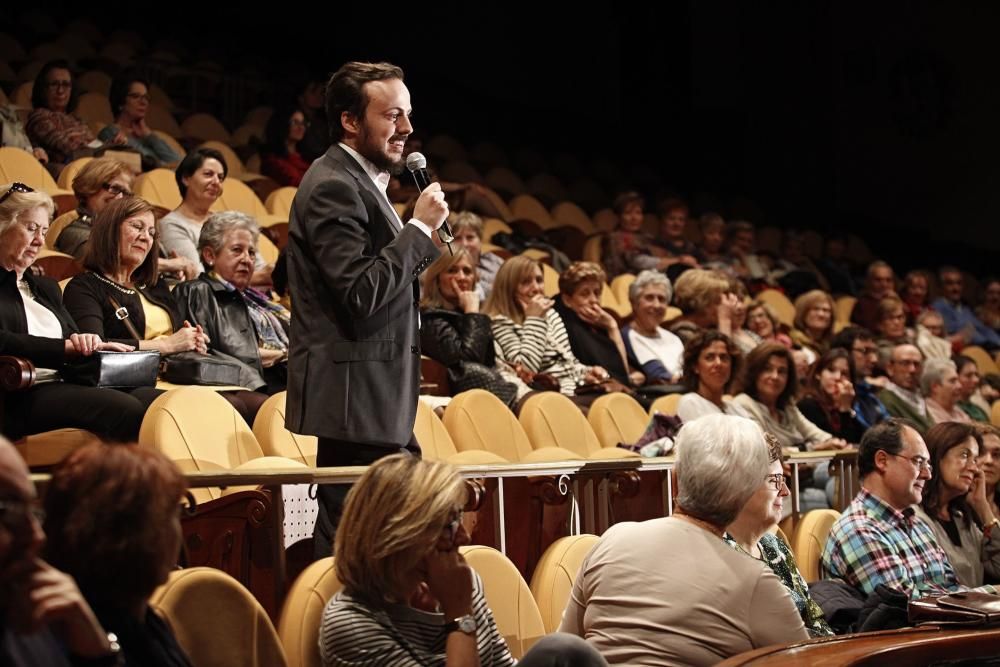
(436, 444)
(552, 420)
(476, 419)
(617, 417)
(809, 540)
(666, 405)
(517, 617)
(302, 613)
(555, 573)
(216, 620)
(275, 439)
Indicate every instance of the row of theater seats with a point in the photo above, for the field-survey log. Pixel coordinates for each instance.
(197, 602)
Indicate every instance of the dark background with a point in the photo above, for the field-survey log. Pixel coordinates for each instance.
(873, 118)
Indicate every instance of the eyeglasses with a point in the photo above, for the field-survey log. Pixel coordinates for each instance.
(452, 527)
(776, 480)
(866, 350)
(16, 187)
(15, 513)
(141, 229)
(138, 96)
(56, 85)
(116, 190)
(919, 461)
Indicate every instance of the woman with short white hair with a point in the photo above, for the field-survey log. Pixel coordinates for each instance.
(670, 591)
(657, 351)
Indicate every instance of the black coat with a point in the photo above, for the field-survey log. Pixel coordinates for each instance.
(14, 337)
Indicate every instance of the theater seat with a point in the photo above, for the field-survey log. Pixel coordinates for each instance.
(666, 405)
(436, 444)
(809, 540)
(617, 417)
(555, 574)
(517, 617)
(216, 620)
(478, 420)
(275, 439)
(302, 613)
(552, 420)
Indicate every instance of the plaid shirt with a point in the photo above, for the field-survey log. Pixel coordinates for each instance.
(873, 543)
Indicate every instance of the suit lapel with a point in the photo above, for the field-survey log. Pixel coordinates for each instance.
(345, 159)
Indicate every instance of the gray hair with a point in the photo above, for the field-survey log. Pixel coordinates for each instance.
(722, 461)
(934, 370)
(644, 280)
(214, 231)
(21, 202)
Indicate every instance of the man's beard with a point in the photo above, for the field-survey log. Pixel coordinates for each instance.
(379, 158)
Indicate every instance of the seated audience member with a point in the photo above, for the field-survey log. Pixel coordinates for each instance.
(120, 559)
(959, 320)
(593, 332)
(44, 620)
(970, 399)
(529, 333)
(52, 124)
(98, 183)
(35, 325)
(812, 328)
(121, 298)
(736, 308)
(868, 409)
(657, 351)
(129, 98)
(901, 395)
(312, 100)
(835, 267)
(768, 385)
(740, 245)
(627, 249)
(706, 303)
(240, 322)
(710, 252)
(940, 386)
(669, 591)
(200, 177)
(877, 539)
(829, 397)
(762, 321)
(409, 597)
(280, 154)
(751, 534)
(794, 270)
(916, 289)
(955, 504)
(467, 227)
(673, 224)
(711, 362)
(988, 311)
(880, 282)
(454, 333)
(931, 337)
(891, 327)
(13, 134)
(989, 463)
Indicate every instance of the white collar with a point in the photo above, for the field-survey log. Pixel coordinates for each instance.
(379, 178)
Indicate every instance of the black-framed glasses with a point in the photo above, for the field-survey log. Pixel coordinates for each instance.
(776, 480)
(16, 187)
(920, 462)
(116, 190)
(138, 96)
(56, 85)
(15, 513)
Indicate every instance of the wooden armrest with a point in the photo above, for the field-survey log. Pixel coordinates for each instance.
(16, 373)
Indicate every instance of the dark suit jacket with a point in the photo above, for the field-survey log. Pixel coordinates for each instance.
(354, 354)
(14, 337)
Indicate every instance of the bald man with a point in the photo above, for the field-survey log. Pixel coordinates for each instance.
(44, 619)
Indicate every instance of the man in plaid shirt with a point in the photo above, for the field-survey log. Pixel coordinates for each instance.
(878, 540)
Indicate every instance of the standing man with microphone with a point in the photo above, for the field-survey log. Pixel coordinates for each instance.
(354, 355)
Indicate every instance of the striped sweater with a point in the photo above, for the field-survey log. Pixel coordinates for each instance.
(541, 345)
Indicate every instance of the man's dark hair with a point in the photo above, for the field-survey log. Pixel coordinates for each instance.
(887, 436)
(344, 91)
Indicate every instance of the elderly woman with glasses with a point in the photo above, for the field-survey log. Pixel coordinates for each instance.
(956, 506)
(52, 125)
(670, 590)
(409, 597)
(751, 534)
(36, 326)
(129, 97)
(240, 321)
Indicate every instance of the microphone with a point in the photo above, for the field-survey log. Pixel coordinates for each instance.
(417, 164)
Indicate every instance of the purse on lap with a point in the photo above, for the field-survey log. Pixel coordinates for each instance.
(114, 370)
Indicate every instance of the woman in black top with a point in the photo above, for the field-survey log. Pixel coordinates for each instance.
(829, 398)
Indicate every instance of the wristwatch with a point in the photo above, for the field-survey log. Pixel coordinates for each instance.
(466, 624)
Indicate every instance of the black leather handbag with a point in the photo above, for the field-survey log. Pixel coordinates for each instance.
(114, 370)
(194, 368)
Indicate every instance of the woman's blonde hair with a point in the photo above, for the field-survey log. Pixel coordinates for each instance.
(19, 202)
(697, 290)
(431, 290)
(503, 298)
(807, 302)
(392, 519)
(92, 177)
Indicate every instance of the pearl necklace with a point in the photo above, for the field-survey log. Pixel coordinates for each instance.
(108, 281)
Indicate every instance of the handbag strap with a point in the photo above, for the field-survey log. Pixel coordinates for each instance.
(121, 312)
